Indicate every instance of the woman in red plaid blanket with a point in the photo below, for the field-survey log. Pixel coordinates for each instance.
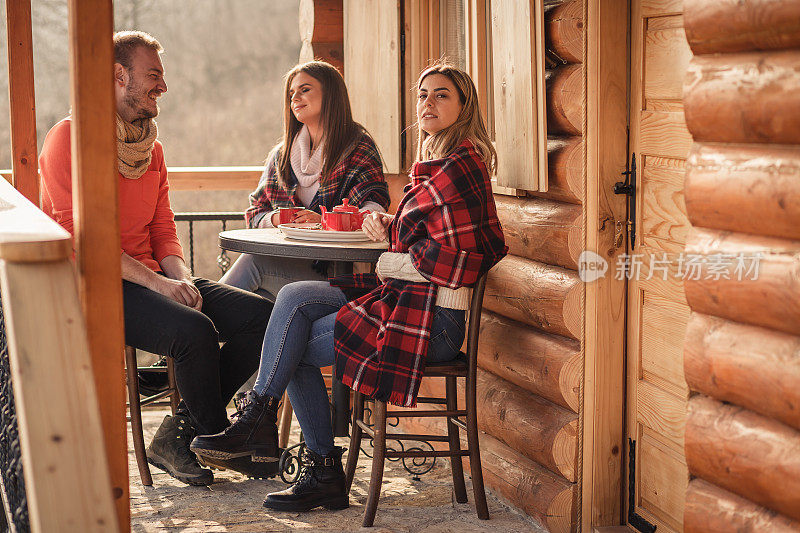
(444, 237)
(324, 157)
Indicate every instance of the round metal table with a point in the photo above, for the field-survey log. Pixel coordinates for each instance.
(271, 242)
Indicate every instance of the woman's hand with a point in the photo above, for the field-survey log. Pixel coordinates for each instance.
(307, 216)
(376, 226)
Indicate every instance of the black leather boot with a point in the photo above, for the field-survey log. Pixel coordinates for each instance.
(169, 451)
(321, 484)
(254, 434)
(244, 465)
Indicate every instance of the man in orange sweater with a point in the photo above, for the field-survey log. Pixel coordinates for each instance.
(167, 311)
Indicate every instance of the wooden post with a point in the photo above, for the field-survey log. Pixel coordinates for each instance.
(97, 238)
(21, 97)
(61, 438)
(604, 338)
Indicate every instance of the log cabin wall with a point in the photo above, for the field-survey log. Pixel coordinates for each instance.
(742, 190)
(530, 352)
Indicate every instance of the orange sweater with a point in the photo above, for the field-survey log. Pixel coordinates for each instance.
(147, 224)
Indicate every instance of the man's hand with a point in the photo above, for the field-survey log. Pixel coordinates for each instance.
(376, 226)
(180, 287)
(182, 291)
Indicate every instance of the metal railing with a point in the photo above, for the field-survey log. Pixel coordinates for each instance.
(223, 261)
(12, 483)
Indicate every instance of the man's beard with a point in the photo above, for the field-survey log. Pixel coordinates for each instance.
(134, 99)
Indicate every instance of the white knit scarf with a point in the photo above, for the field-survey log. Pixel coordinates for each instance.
(135, 143)
(307, 167)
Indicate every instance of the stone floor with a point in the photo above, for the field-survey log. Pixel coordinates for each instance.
(233, 503)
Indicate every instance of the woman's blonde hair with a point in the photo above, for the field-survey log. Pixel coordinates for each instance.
(341, 133)
(468, 125)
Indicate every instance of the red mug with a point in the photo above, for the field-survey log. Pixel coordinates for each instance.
(287, 214)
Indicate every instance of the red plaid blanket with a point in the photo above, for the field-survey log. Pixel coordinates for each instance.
(359, 178)
(447, 222)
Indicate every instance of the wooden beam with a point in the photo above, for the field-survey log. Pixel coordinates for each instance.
(604, 337)
(714, 26)
(97, 237)
(22, 99)
(214, 178)
(745, 453)
(321, 32)
(61, 439)
(709, 508)
(750, 97)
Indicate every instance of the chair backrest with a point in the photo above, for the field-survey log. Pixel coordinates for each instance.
(474, 325)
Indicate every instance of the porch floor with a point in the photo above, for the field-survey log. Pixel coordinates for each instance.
(233, 502)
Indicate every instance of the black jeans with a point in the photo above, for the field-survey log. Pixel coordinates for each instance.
(207, 375)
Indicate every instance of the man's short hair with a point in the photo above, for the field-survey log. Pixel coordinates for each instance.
(125, 42)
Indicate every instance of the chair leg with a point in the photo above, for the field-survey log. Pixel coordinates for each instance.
(286, 422)
(355, 440)
(456, 466)
(175, 397)
(378, 457)
(475, 458)
(135, 409)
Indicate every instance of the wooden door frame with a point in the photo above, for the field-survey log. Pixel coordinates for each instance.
(603, 412)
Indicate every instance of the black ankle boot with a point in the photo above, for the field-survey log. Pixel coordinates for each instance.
(169, 451)
(254, 434)
(321, 484)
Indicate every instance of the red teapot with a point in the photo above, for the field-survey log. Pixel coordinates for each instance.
(343, 217)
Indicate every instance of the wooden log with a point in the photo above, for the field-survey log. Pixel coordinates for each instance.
(744, 188)
(563, 31)
(564, 169)
(546, 497)
(22, 99)
(546, 365)
(539, 429)
(770, 300)
(744, 98)
(542, 230)
(543, 296)
(748, 454)
(322, 32)
(565, 101)
(753, 367)
(714, 26)
(710, 509)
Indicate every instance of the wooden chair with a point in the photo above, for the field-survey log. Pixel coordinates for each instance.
(135, 406)
(465, 365)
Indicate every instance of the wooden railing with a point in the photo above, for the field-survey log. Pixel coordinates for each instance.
(203, 178)
(65, 469)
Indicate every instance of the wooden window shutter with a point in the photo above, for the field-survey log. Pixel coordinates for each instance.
(372, 72)
(519, 94)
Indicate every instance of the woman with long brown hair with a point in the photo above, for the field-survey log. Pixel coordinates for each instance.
(380, 329)
(323, 158)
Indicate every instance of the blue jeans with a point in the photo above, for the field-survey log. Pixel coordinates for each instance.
(299, 341)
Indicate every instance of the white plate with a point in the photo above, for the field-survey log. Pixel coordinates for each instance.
(305, 232)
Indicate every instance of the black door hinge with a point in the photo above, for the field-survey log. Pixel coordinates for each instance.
(628, 188)
(635, 520)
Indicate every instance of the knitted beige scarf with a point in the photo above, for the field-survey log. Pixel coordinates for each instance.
(135, 143)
